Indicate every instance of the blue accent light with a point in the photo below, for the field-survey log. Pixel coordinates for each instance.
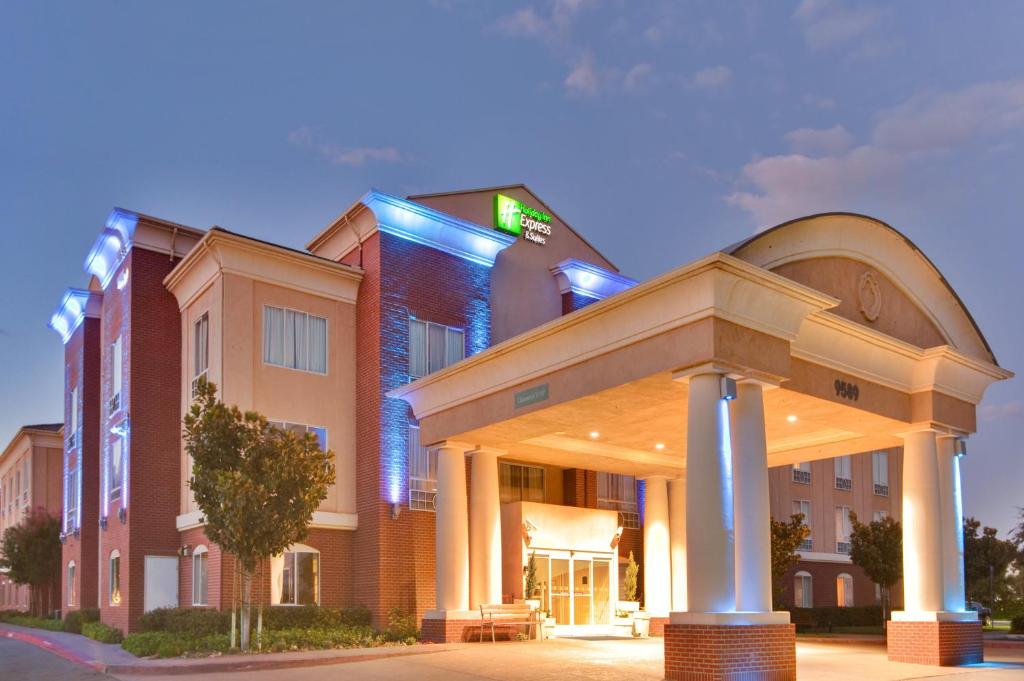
(589, 280)
(423, 225)
(111, 245)
(69, 313)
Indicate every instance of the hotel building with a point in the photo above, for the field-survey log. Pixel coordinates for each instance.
(494, 389)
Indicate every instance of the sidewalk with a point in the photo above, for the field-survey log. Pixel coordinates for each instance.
(112, 659)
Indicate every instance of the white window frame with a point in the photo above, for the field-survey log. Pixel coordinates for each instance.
(880, 473)
(74, 439)
(805, 592)
(71, 569)
(843, 529)
(802, 473)
(843, 472)
(291, 426)
(200, 350)
(200, 559)
(608, 486)
(278, 571)
(454, 347)
(114, 579)
(71, 493)
(804, 506)
(116, 375)
(283, 364)
(844, 593)
(116, 452)
(420, 460)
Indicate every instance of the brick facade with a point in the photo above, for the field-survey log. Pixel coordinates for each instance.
(935, 643)
(730, 653)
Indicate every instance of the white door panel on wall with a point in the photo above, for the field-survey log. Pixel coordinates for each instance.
(161, 574)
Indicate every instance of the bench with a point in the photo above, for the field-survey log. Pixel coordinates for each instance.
(507, 614)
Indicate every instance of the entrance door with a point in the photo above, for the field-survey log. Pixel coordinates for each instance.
(578, 589)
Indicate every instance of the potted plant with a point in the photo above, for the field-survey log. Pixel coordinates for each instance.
(629, 586)
(532, 590)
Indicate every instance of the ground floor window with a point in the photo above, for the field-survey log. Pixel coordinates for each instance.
(422, 472)
(296, 575)
(115, 577)
(844, 591)
(520, 483)
(71, 583)
(200, 560)
(803, 596)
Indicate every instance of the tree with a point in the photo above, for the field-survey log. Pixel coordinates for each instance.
(31, 552)
(531, 576)
(786, 539)
(629, 583)
(877, 548)
(987, 559)
(256, 485)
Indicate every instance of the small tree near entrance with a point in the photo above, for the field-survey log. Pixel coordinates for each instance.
(256, 485)
(877, 548)
(629, 584)
(786, 539)
(31, 552)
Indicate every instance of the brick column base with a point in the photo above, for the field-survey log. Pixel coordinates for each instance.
(743, 652)
(945, 644)
(658, 625)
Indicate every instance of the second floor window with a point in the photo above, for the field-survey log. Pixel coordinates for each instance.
(433, 347)
(520, 483)
(804, 506)
(844, 476)
(72, 436)
(843, 529)
(294, 340)
(301, 430)
(802, 472)
(115, 375)
(422, 473)
(115, 465)
(618, 493)
(72, 497)
(201, 359)
(880, 473)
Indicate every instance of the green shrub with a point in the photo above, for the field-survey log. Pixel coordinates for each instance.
(321, 639)
(401, 626)
(188, 622)
(101, 632)
(313, 617)
(832, 616)
(23, 619)
(167, 644)
(1017, 625)
(74, 620)
(145, 643)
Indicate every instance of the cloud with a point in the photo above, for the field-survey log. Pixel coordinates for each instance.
(639, 77)
(583, 79)
(815, 142)
(998, 412)
(307, 138)
(713, 77)
(829, 25)
(526, 22)
(523, 23)
(827, 172)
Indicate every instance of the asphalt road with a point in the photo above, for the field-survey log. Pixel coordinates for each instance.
(21, 661)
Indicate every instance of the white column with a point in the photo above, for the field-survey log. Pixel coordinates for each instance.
(952, 526)
(710, 559)
(452, 529)
(657, 559)
(922, 525)
(677, 540)
(484, 529)
(750, 492)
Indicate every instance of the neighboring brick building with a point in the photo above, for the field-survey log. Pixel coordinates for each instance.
(474, 342)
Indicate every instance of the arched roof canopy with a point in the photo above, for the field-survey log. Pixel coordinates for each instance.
(884, 280)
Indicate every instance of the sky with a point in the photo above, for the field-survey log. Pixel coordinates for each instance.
(661, 131)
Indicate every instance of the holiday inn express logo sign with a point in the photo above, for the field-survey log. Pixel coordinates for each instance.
(515, 217)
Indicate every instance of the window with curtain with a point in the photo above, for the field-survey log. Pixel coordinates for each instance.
(844, 590)
(802, 472)
(422, 473)
(201, 358)
(844, 479)
(618, 493)
(300, 578)
(114, 466)
(804, 506)
(517, 482)
(433, 347)
(71, 512)
(880, 473)
(843, 529)
(803, 594)
(200, 580)
(114, 582)
(301, 430)
(879, 515)
(294, 339)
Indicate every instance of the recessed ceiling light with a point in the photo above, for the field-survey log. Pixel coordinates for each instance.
(594, 435)
(659, 446)
(791, 418)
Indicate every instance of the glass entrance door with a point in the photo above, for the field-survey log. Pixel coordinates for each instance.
(560, 591)
(578, 587)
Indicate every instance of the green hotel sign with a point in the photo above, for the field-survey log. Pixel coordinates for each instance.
(538, 393)
(515, 217)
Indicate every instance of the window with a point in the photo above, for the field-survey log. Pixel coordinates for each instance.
(114, 469)
(200, 558)
(844, 591)
(72, 496)
(843, 529)
(201, 350)
(520, 483)
(422, 473)
(301, 430)
(880, 473)
(804, 506)
(802, 472)
(115, 376)
(296, 576)
(618, 492)
(803, 594)
(71, 583)
(843, 477)
(879, 515)
(72, 437)
(294, 340)
(433, 347)
(115, 577)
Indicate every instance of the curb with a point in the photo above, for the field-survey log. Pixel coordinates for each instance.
(51, 647)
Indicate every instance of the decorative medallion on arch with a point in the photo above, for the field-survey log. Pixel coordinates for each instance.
(869, 295)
